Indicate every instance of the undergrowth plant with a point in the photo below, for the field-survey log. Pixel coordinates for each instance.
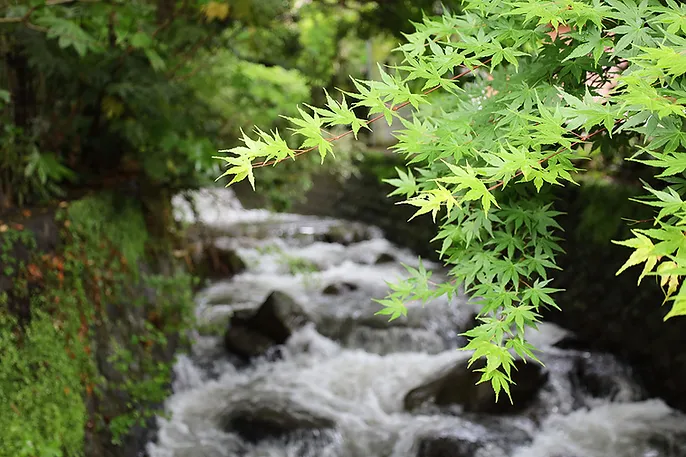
(127, 314)
(86, 333)
(512, 98)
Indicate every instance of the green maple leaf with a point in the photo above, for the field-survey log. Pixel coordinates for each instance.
(405, 185)
(643, 252)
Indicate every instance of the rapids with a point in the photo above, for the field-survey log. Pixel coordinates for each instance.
(357, 379)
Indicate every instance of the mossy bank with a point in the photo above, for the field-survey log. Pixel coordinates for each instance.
(93, 308)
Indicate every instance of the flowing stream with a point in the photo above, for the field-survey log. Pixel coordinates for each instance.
(344, 376)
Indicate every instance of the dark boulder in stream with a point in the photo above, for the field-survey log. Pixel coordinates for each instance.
(339, 288)
(458, 386)
(272, 324)
(385, 258)
(602, 376)
(255, 423)
(246, 342)
(213, 260)
(347, 234)
(472, 440)
(669, 446)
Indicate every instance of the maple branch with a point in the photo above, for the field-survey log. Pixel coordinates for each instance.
(299, 152)
(18, 19)
(582, 139)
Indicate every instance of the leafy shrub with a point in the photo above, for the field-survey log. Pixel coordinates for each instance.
(109, 94)
(82, 304)
(519, 97)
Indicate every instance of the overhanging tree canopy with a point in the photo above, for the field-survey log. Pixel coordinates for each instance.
(554, 90)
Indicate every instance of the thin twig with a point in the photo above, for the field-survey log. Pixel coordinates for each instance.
(299, 152)
(37, 28)
(583, 139)
(20, 19)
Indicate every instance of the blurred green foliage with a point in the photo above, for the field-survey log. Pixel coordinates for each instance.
(83, 330)
(139, 94)
(116, 105)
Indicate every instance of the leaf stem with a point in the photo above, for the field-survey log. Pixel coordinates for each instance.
(299, 152)
(582, 139)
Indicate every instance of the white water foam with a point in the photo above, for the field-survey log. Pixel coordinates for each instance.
(360, 382)
(611, 429)
(360, 391)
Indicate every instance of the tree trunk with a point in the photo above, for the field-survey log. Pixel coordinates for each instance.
(20, 87)
(165, 11)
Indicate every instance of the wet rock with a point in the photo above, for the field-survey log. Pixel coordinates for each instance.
(603, 376)
(340, 326)
(380, 321)
(255, 423)
(273, 323)
(347, 234)
(458, 447)
(213, 261)
(395, 339)
(246, 342)
(666, 445)
(444, 446)
(457, 386)
(385, 258)
(339, 288)
(472, 322)
(278, 317)
(572, 342)
(472, 440)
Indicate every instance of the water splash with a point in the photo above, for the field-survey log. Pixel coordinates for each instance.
(346, 373)
(641, 429)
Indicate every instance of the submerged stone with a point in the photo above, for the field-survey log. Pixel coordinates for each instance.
(385, 258)
(351, 232)
(445, 446)
(603, 376)
(472, 440)
(255, 423)
(458, 386)
(339, 288)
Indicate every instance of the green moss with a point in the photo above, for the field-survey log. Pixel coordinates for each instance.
(42, 364)
(146, 379)
(11, 239)
(115, 219)
(48, 372)
(40, 390)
